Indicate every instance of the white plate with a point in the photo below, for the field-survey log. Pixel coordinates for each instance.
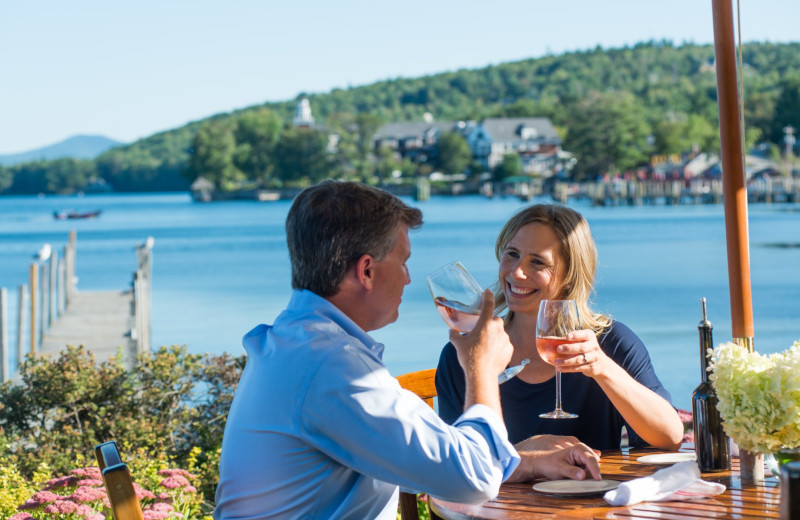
(667, 458)
(575, 487)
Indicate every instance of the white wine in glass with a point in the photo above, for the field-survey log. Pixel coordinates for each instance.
(457, 296)
(556, 319)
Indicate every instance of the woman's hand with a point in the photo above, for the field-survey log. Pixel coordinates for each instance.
(650, 415)
(546, 442)
(582, 355)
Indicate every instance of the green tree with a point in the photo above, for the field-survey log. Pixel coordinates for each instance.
(608, 134)
(68, 175)
(256, 134)
(302, 156)
(454, 154)
(366, 126)
(6, 178)
(510, 166)
(787, 109)
(211, 157)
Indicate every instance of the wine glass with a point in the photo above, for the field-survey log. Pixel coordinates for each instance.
(556, 319)
(457, 296)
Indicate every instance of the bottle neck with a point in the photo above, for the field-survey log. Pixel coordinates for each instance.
(706, 342)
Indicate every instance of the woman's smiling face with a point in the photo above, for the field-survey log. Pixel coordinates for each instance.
(531, 268)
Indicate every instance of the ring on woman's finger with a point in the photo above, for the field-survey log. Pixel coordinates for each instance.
(585, 362)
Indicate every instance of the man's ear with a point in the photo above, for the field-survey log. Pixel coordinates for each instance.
(365, 271)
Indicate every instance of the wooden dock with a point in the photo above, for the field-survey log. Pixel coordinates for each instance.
(53, 313)
(669, 192)
(101, 321)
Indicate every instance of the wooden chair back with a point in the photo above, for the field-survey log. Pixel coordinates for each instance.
(423, 384)
(118, 482)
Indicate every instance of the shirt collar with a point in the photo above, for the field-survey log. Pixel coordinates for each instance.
(303, 299)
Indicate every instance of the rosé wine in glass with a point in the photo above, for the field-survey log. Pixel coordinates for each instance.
(547, 348)
(459, 316)
(555, 320)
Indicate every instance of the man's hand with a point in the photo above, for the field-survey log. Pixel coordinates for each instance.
(575, 462)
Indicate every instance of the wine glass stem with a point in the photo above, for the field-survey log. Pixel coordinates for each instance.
(558, 390)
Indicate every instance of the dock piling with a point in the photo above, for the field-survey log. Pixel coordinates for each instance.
(4, 334)
(21, 296)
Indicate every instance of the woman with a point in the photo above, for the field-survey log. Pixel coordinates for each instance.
(547, 252)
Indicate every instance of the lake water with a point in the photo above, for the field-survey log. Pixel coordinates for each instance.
(219, 269)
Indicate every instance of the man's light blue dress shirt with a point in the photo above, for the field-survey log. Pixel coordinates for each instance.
(318, 428)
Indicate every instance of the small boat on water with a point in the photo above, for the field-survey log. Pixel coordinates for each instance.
(69, 215)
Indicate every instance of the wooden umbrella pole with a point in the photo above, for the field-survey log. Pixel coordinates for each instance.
(735, 197)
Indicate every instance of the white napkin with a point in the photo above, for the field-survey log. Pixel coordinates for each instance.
(679, 482)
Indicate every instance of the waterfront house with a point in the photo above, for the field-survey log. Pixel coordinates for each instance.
(534, 139)
(416, 140)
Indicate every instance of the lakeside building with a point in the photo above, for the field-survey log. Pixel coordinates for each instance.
(533, 139)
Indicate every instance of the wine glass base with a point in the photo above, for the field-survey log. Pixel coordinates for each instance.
(558, 414)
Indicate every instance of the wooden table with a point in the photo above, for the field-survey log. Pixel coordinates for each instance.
(741, 500)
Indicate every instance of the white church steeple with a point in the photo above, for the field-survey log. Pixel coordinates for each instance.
(302, 114)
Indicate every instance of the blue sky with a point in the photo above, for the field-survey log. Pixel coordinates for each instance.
(129, 69)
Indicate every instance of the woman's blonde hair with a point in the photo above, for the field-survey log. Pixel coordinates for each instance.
(578, 254)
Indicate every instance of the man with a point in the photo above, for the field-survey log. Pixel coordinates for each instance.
(318, 427)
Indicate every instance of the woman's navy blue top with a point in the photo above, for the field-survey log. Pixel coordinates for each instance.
(599, 424)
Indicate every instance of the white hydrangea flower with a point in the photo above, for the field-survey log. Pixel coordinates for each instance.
(759, 396)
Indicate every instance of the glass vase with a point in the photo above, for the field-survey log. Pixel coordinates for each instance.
(777, 459)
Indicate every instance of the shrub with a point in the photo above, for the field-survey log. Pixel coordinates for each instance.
(168, 409)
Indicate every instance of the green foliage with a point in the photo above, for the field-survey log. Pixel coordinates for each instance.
(454, 154)
(56, 176)
(14, 487)
(302, 156)
(168, 409)
(510, 166)
(608, 132)
(256, 134)
(212, 156)
(789, 112)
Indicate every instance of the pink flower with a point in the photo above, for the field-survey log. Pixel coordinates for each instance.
(96, 516)
(688, 437)
(190, 489)
(686, 416)
(58, 482)
(141, 492)
(90, 472)
(87, 494)
(61, 507)
(155, 515)
(85, 511)
(176, 472)
(159, 506)
(174, 482)
(39, 499)
(21, 516)
(90, 482)
(164, 497)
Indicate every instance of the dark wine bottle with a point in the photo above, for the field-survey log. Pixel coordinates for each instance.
(710, 441)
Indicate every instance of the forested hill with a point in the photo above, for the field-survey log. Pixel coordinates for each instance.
(659, 84)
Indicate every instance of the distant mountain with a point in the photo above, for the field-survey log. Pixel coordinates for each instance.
(78, 147)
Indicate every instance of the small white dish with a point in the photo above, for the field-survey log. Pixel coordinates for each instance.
(667, 459)
(575, 487)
